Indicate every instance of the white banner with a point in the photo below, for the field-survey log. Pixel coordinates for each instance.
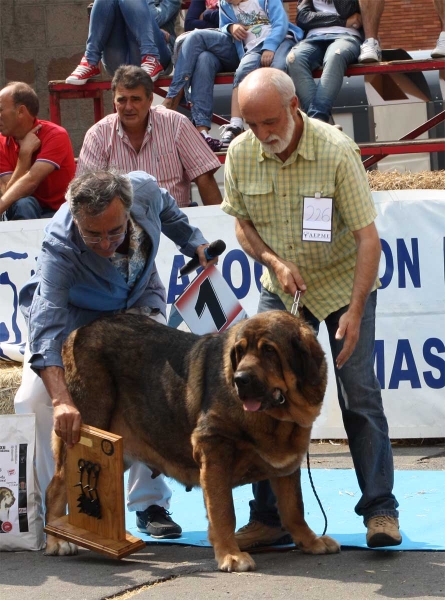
(410, 330)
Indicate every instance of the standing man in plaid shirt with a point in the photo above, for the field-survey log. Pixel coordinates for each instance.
(304, 210)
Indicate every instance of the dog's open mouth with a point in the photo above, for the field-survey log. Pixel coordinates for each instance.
(254, 405)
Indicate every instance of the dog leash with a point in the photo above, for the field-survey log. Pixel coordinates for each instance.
(294, 311)
(316, 495)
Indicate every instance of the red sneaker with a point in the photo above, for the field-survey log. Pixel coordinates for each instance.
(152, 66)
(83, 72)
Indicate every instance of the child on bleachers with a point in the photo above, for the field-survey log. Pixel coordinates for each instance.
(254, 33)
(123, 32)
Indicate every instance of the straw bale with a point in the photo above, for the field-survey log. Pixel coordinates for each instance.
(10, 378)
(392, 180)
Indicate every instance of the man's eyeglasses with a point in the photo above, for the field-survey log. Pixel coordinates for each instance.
(115, 237)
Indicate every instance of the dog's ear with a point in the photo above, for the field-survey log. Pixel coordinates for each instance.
(307, 359)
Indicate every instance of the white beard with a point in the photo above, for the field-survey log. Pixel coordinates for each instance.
(283, 142)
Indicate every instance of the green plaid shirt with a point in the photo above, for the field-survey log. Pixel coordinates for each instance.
(262, 189)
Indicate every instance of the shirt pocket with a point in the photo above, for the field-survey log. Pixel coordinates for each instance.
(259, 201)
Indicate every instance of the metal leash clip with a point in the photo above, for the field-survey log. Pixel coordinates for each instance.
(294, 309)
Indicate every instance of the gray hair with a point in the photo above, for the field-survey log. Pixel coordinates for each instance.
(284, 85)
(130, 77)
(91, 193)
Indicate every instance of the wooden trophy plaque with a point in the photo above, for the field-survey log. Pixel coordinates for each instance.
(95, 488)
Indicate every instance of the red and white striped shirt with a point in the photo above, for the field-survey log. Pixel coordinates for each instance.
(173, 151)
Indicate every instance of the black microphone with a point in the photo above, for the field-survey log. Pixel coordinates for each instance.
(212, 251)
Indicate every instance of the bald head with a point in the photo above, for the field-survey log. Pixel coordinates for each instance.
(22, 94)
(270, 107)
(265, 86)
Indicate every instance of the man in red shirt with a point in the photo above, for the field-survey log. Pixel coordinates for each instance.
(36, 157)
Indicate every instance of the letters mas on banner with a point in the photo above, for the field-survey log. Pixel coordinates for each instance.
(410, 330)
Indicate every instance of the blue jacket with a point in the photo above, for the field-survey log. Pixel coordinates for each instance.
(278, 19)
(73, 285)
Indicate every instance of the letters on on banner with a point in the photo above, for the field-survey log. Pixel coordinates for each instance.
(410, 328)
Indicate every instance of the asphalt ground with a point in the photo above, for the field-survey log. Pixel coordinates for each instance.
(181, 572)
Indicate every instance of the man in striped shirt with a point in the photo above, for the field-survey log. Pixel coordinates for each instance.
(140, 137)
(303, 209)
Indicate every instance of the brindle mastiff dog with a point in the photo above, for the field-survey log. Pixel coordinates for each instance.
(217, 411)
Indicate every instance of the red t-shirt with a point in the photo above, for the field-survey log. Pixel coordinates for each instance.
(56, 149)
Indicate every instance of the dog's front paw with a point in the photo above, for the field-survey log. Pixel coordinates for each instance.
(321, 545)
(58, 547)
(238, 563)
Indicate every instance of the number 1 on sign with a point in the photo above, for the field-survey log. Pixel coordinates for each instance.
(207, 297)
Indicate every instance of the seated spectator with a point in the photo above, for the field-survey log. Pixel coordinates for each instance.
(123, 32)
(202, 14)
(254, 33)
(152, 139)
(333, 37)
(36, 157)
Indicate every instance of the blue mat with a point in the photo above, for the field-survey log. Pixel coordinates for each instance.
(421, 495)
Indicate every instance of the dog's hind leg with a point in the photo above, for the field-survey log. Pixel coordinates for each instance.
(56, 500)
(216, 483)
(291, 508)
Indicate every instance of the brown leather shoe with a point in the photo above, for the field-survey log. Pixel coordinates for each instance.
(255, 535)
(383, 531)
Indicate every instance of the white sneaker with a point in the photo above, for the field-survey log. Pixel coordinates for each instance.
(439, 50)
(370, 51)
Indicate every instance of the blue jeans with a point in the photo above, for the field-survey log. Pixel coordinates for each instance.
(204, 53)
(27, 208)
(365, 423)
(334, 54)
(123, 31)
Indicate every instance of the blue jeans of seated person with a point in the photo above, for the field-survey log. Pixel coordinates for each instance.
(27, 208)
(204, 53)
(123, 31)
(365, 423)
(334, 53)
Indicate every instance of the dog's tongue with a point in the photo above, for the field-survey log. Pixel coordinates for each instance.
(251, 405)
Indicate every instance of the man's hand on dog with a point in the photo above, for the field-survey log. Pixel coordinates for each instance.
(67, 422)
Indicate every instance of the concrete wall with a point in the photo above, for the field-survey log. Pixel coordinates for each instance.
(43, 40)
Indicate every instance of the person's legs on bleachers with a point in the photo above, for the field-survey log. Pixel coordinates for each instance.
(439, 50)
(165, 13)
(250, 61)
(103, 18)
(339, 54)
(154, 52)
(301, 61)
(199, 41)
(371, 11)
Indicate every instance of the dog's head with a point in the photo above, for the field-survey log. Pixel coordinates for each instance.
(278, 366)
(7, 498)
